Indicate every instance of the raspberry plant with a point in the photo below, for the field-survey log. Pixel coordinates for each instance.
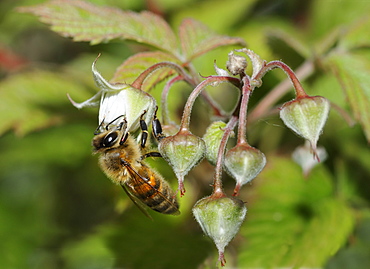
(135, 86)
(184, 150)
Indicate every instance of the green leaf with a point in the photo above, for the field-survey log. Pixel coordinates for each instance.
(341, 13)
(356, 35)
(20, 206)
(26, 100)
(229, 13)
(135, 65)
(66, 145)
(291, 223)
(154, 238)
(291, 39)
(352, 72)
(84, 21)
(89, 252)
(197, 39)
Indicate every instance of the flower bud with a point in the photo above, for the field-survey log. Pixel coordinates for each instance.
(257, 64)
(244, 163)
(306, 116)
(303, 156)
(220, 218)
(236, 64)
(212, 138)
(182, 151)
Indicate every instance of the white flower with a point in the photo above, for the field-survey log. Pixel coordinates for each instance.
(119, 101)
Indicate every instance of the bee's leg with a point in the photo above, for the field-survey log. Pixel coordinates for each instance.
(157, 127)
(144, 130)
(123, 138)
(157, 131)
(151, 154)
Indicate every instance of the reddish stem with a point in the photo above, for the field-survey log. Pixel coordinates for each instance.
(217, 182)
(270, 99)
(138, 83)
(300, 93)
(185, 121)
(166, 89)
(242, 130)
(221, 258)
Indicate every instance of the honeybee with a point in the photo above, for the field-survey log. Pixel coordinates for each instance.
(122, 160)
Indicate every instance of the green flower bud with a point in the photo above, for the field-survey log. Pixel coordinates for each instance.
(243, 163)
(306, 116)
(212, 138)
(220, 218)
(182, 151)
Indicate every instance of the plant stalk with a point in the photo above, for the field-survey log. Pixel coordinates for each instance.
(246, 92)
(217, 182)
(185, 120)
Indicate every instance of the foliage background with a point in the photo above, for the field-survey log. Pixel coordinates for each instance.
(57, 209)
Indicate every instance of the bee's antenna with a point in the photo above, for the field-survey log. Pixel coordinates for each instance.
(97, 130)
(114, 121)
(119, 127)
(122, 125)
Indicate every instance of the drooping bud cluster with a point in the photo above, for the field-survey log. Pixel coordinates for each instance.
(220, 218)
(306, 116)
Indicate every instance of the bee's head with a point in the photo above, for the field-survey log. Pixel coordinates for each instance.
(111, 136)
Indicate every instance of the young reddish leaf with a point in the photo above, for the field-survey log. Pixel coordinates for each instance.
(133, 66)
(352, 73)
(84, 21)
(197, 39)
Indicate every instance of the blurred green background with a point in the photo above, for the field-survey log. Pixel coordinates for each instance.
(58, 210)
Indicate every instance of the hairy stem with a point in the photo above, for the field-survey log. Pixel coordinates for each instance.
(304, 71)
(217, 182)
(138, 83)
(242, 130)
(166, 89)
(289, 72)
(185, 121)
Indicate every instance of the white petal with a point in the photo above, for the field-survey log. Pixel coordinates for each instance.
(88, 103)
(128, 102)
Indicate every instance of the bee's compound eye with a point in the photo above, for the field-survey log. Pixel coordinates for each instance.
(110, 139)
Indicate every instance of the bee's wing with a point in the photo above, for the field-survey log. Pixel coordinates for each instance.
(136, 201)
(141, 183)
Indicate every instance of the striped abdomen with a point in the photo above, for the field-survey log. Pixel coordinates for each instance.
(151, 189)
